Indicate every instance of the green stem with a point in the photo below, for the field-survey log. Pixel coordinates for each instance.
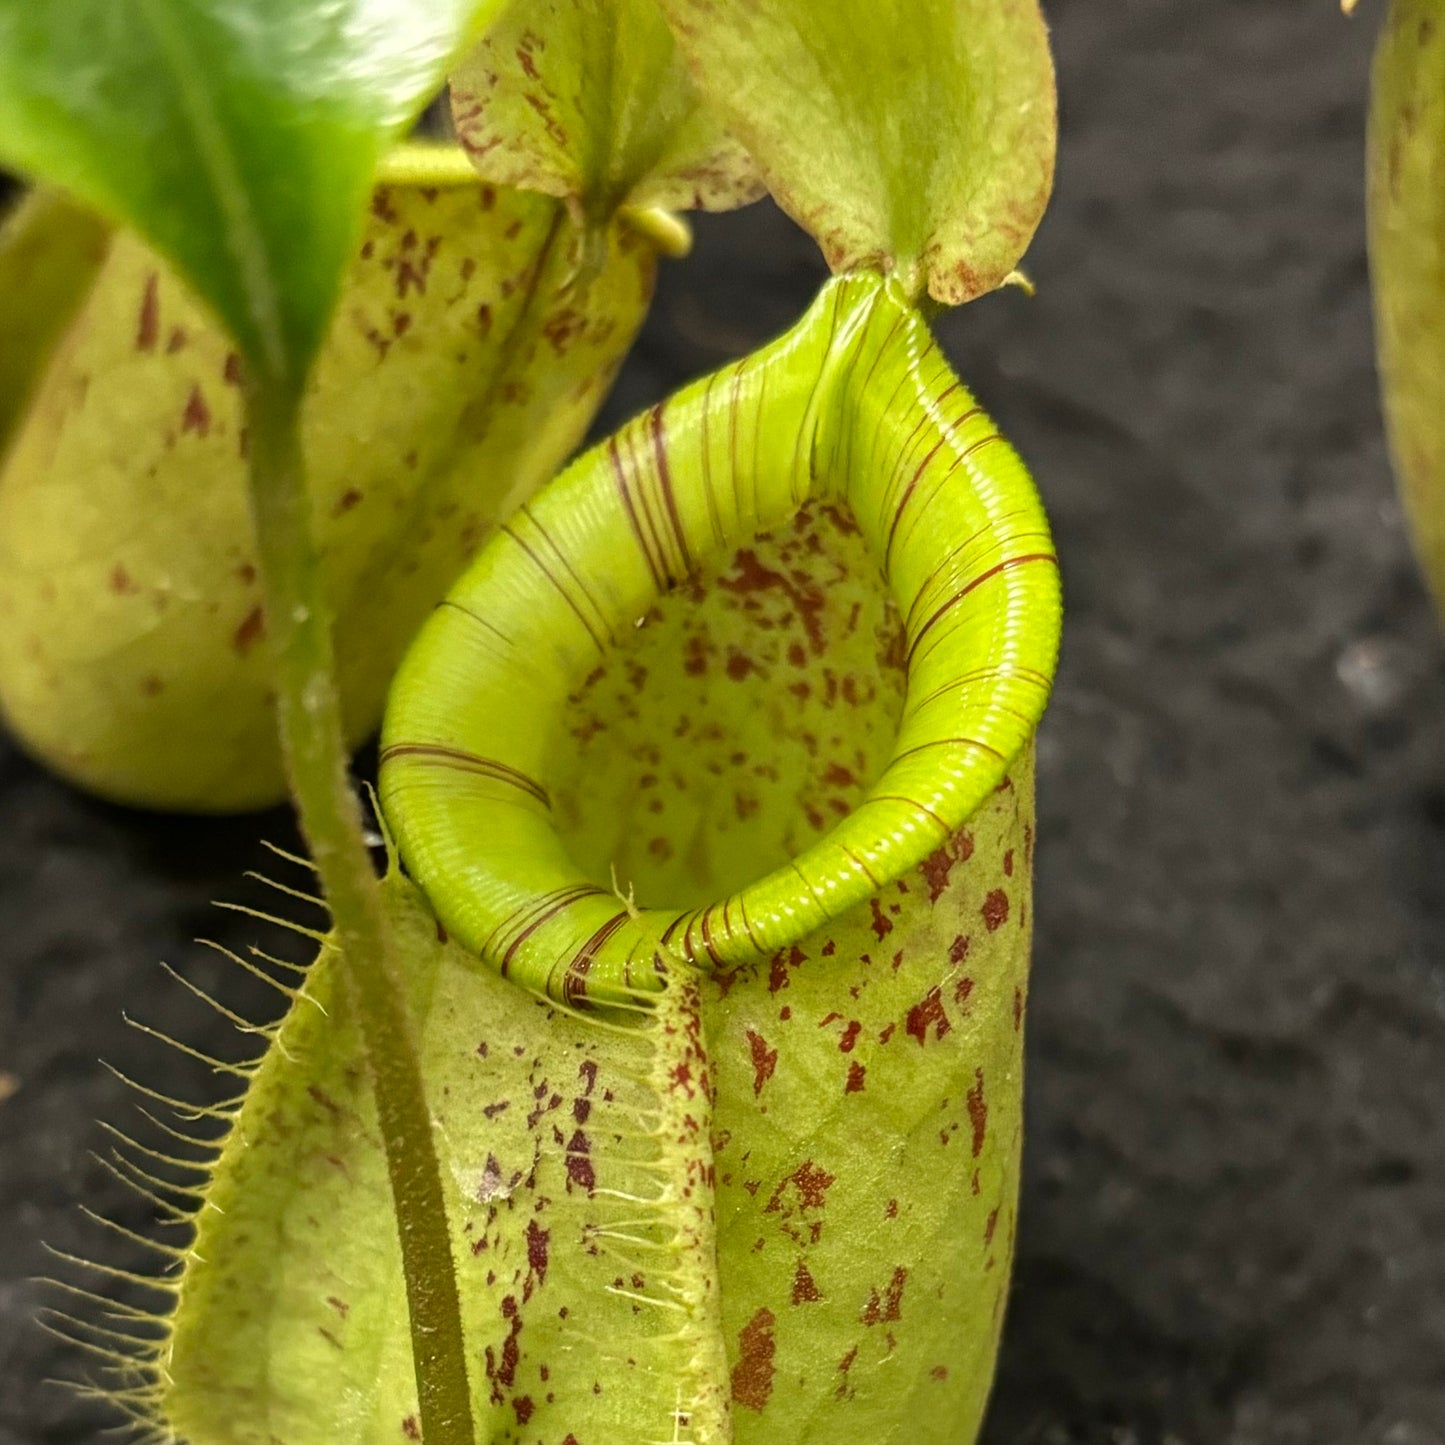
(299, 629)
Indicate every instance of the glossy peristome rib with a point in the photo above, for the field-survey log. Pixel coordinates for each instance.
(855, 407)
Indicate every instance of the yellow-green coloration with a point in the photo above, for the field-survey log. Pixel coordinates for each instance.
(866, 1135)
(573, 1153)
(1407, 263)
(856, 408)
(868, 1130)
(601, 113)
(50, 250)
(459, 372)
(773, 659)
(774, 1201)
(911, 138)
(240, 139)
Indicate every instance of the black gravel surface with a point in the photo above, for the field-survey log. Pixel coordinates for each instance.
(1234, 1197)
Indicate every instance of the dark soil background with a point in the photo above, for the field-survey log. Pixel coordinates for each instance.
(1234, 1196)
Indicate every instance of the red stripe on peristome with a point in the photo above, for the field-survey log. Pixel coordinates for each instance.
(924, 420)
(582, 960)
(953, 466)
(980, 674)
(619, 473)
(556, 902)
(866, 870)
(747, 925)
(561, 591)
(809, 432)
(1005, 566)
(644, 507)
(989, 529)
(907, 496)
(946, 742)
(475, 617)
(911, 803)
(658, 427)
(734, 409)
(707, 942)
(671, 929)
(464, 761)
(572, 572)
(713, 515)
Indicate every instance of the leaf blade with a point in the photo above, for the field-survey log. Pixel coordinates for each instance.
(906, 137)
(239, 139)
(590, 102)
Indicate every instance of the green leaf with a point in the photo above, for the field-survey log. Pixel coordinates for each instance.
(1407, 264)
(909, 136)
(50, 249)
(239, 136)
(456, 376)
(587, 100)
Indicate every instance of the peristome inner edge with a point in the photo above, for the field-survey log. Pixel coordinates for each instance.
(857, 407)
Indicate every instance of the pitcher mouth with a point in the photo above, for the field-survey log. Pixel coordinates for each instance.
(855, 407)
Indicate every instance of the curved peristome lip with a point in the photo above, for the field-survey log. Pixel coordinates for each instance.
(855, 407)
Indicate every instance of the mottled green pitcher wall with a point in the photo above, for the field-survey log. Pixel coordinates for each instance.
(1406, 196)
(863, 1087)
(723, 741)
(867, 1122)
(460, 371)
(751, 689)
(867, 1137)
